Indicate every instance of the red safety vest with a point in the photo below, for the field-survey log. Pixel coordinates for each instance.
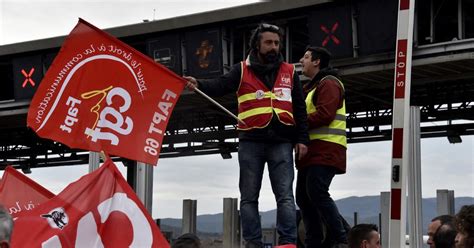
(257, 103)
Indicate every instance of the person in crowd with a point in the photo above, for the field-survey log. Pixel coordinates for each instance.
(364, 236)
(445, 235)
(273, 121)
(464, 222)
(6, 227)
(326, 156)
(435, 223)
(187, 240)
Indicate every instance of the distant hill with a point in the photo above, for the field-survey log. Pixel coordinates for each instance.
(367, 208)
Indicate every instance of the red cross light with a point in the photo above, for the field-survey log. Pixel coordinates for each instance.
(28, 77)
(330, 34)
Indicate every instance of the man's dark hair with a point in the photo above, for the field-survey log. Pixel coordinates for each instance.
(320, 53)
(444, 219)
(445, 235)
(359, 233)
(257, 34)
(187, 240)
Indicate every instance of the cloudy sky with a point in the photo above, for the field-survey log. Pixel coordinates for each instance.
(208, 179)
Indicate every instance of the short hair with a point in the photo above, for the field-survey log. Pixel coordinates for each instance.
(6, 225)
(444, 219)
(257, 34)
(320, 53)
(445, 236)
(464, 222)
(359, 233)
(187, 240)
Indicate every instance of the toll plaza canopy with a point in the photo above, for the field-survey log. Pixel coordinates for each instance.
(361, 35)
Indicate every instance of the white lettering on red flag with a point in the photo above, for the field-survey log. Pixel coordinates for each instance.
(98, 210)
(18, 193)
(102, 95)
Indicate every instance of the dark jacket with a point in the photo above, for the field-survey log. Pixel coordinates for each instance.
(328, 98)
(275, 131)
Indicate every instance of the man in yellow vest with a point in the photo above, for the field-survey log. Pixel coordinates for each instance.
(326, 154)
(271, 103)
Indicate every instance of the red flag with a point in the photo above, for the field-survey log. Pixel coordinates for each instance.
(98, 210)
(18, 193)
(102, 95)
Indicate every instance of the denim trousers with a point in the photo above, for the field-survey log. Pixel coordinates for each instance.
(316, 204)
(279, 158)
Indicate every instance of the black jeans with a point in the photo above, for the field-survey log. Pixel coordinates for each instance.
(315, 202)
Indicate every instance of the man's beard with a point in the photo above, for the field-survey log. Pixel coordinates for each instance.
(270, 57)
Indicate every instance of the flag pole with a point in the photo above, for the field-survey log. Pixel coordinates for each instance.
(218, 105)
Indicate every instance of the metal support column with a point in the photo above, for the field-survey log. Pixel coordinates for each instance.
(144, 184)
(94, 161)
(445, 201)
(414, 182)
(385, 213)
(231, 235)
(189, 216)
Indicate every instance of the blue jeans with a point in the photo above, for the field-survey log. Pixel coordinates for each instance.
(315, 202)
(252, 159)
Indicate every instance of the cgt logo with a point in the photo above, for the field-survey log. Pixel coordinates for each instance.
(121, 124)
(286, 79)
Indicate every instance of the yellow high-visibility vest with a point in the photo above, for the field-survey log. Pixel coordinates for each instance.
(336, 131)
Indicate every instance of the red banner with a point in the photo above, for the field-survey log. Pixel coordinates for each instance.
(102, 95)
(18, 193)
(98, 210)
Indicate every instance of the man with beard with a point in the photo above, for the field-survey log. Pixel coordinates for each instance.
(271, 106)
(326, 155)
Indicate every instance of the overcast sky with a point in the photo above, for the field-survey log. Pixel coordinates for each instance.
(208, 179)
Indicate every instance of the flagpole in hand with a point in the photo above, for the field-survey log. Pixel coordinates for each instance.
(192, 85)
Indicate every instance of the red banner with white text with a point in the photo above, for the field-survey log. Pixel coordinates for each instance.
(18, 193)
(98, 210)
(102, 95)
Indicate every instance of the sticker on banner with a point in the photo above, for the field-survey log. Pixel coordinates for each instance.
(57, 218)
(259, 94)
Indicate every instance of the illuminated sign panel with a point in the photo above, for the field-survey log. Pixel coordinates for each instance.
(27, 74)
(330, 26)
(166, 50)
(204, 53)
(376, 26)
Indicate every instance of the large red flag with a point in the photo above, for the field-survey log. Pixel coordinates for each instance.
(18, 193)
(102, 95)
(98, 210)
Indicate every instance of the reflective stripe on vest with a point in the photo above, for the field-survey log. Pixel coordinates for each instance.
(257, 103)
(336, 131)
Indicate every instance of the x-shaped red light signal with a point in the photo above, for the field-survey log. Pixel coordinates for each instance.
(330, 34)
(28, 77)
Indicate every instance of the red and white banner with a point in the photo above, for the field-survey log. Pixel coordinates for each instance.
(98, 210)
(102, 95)
(18, 193)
